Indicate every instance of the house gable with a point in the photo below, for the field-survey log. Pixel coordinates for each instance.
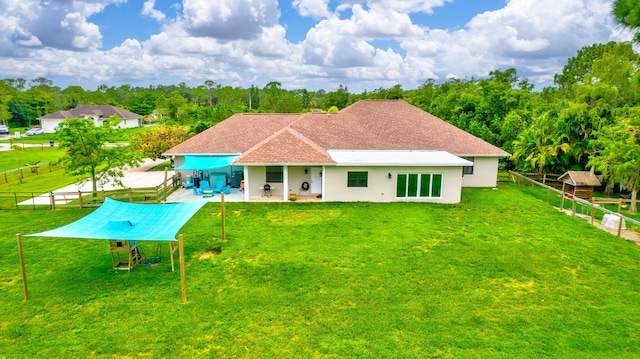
(285, 147)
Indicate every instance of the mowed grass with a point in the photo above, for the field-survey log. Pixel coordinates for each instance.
(501, 274)
(11, 160)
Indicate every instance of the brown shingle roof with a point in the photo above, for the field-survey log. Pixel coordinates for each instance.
(365, 125)
(104, 111)
(391, 125)
(286, 147)
(580, 178)
(236, 134)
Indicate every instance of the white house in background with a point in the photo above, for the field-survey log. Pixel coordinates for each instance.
(96, 114)
(373, 150)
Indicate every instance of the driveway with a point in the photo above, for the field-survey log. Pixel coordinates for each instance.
(138, 177)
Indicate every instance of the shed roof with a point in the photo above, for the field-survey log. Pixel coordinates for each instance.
(580, 178)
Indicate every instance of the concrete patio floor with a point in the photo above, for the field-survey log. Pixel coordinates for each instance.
(141, 177)
(235, 195)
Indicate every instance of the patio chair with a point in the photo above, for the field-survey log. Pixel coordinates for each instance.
(206, 189)
(196, 190)
(219, 186)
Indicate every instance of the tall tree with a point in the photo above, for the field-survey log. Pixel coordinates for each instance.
(627, 13)
(339, 99)
(87, 153)
(618, 157)
(155, 141)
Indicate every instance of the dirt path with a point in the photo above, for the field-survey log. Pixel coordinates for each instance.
(625, 233)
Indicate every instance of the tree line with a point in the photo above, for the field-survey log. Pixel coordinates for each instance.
(589, 119)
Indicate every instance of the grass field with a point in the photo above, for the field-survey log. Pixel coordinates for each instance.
(10, 160)
(502, 275)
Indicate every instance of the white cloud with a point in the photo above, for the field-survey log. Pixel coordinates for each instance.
(314, 8)
(534, 36)
(242, 41)
(229, 19)
(50, 24)
(148, 9)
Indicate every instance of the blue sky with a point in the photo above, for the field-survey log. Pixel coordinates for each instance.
(313, 44)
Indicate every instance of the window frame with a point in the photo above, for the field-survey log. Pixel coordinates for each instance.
(274, 174)
(412, 185)
(357, 182)
(468, 170)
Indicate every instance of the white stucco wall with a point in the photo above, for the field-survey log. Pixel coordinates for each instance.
(257, 177)
(49, 126)
(485, 173)
(130, 123)
(381, 188)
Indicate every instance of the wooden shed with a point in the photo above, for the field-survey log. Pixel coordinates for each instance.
(579, 183)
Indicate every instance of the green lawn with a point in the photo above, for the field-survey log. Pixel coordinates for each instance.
(502, 274)
(10, 160)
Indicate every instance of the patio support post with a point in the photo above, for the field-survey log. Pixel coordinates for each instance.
(247, 187)
(224, 236)
(183, 276)
(285, 183)
(24, 272)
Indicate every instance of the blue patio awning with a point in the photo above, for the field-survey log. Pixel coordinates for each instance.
(206, 162)
(116, 220)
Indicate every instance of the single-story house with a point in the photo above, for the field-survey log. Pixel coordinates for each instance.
(373, 150)
(96, 114)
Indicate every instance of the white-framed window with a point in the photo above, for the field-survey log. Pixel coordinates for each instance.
(419, 185)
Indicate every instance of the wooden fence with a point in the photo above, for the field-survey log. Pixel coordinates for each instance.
(86, 199)
(20, 173)
(577, 206)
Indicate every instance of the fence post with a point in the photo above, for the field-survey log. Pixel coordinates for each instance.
(619, 205)
(573, 206)
(619, 225)
(593, 211)
(80, 198)
(53, 200)
(544, 178)
(166, 178)
(130, 195)
(158, 192)
(533, 188)
(548, 196)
